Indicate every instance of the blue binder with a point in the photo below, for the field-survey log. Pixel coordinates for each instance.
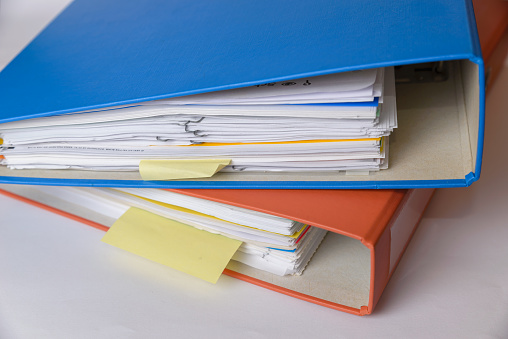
(100, 53)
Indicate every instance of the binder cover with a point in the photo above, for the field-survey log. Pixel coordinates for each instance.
(492, 21)
(100, 53)
(369, 231)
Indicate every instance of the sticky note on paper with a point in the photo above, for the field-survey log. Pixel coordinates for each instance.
(171, 243)
(180, 168)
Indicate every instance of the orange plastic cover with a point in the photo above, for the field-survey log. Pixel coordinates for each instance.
(492, 21)
(359, 214)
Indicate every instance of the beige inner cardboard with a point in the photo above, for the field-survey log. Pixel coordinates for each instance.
(338, 272)
(436, 139)
(470, 75)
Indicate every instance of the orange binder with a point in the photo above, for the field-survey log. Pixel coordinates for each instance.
(369, 231)
(492, 21)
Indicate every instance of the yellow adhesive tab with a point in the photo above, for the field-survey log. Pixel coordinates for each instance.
(180, 168)
(171, 243)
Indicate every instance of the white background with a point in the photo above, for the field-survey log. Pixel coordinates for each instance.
(58, 280)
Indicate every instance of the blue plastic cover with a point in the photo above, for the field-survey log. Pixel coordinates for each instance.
(100, 53)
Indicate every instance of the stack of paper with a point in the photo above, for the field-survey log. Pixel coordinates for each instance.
(330, 122)
(270, 243)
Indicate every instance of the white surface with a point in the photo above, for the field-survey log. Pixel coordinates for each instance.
(57, 280)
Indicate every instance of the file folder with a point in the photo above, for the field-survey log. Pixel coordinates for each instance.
(100, 53)
(368, 233)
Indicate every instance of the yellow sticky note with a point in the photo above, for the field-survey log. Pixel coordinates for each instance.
(180, 168)
(171, 243)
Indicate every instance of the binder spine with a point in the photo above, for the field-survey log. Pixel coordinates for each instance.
(473, 30)
(396, 238)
